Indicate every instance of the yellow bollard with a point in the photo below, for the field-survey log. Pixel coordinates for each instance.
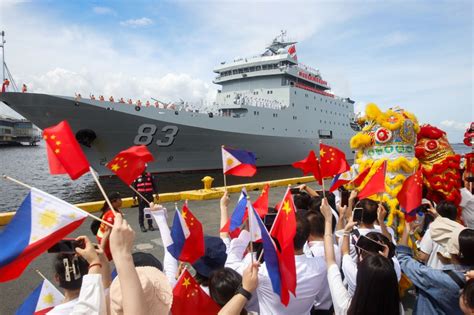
(207, 180)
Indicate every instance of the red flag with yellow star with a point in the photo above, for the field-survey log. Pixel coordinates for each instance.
(411, 194)
(284, 230)
(130, 163)
(189, 298)
(333, 161)
(376, 183)
(64, 148)
(310, 165)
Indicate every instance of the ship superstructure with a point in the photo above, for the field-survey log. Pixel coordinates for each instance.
(269, 104)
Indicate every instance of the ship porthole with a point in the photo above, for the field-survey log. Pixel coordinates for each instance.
(137, 108)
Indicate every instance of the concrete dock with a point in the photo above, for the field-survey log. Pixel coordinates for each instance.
(13, 293)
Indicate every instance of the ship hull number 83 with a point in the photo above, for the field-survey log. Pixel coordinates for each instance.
(146, 132)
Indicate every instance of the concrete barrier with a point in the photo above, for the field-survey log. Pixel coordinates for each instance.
(200, 194)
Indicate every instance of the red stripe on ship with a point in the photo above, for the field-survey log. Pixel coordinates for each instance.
(15, 268)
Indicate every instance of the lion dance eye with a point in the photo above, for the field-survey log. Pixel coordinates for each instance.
(431, 145)
(383, 135)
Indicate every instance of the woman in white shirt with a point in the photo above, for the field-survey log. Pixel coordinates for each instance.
(377, 286)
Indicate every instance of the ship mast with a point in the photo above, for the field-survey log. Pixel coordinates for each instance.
(5, 71)
(3, 55)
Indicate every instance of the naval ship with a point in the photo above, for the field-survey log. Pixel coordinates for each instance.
(269, 104)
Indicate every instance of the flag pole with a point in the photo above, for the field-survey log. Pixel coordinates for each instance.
(320, 172)
(324, 189)
(140, 195)
(225, 178)
(249, 220)
(41, 275)
(96, 179)
(85, 212)
(260, 257)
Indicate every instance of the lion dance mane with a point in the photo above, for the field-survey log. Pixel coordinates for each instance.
(389, 136)
(440, 165)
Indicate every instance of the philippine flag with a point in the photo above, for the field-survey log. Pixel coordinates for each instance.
(40, 222)
(42, 300)
(238, 162)
(341, 179)
(187, 236)
(254, 227)
(238, 216)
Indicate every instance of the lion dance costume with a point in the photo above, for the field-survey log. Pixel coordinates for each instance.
(440, 165)
(389, 136)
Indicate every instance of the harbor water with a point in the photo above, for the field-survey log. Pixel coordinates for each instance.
(29, 165)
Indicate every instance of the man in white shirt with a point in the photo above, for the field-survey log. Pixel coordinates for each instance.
(310, 275)
(372, 213)
(316, 249)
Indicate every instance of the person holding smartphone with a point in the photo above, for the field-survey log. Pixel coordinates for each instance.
(377, 285)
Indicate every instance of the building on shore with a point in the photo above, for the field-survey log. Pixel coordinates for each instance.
(18, 131)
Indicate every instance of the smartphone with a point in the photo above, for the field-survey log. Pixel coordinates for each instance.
(269, 219)
(345, 197)
(295, 191)
(357, 214)
(425, 205)
(67, 246)
(369, 245)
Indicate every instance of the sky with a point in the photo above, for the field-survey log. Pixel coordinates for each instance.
(414, 54)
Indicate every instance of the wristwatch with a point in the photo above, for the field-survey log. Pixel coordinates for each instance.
(244, 292)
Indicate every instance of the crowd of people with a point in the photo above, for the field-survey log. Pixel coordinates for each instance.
(347, 262)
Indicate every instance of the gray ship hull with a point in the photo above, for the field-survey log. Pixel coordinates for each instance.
(179, 141)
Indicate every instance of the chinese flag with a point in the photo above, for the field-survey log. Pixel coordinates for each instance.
(376, 184)
(130, 163)
(333, 161)
(411, 193)
(189, 298)
(261, 204)
(284, 230)
(193, 248)
(360, 178)
(310, 165)
(66, 150)
(55, 167)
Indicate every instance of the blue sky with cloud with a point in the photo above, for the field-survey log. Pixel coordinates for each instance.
(415, 54)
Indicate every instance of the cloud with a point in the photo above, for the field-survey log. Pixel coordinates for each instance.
(457, 125)
(144, 21)
(104, 11)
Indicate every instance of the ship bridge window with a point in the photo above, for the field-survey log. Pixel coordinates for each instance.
(306, 95)
(258, 68)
